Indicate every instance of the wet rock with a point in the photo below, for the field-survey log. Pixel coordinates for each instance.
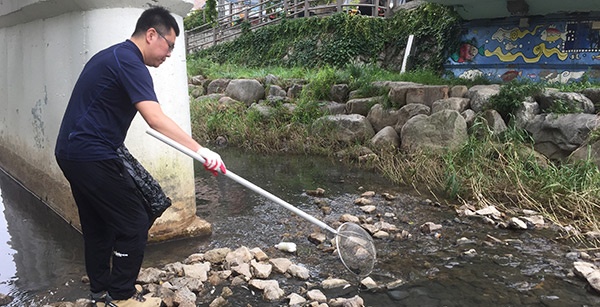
(198, 270)
(194, 258)
(296, 300)
(318, 192)
(217, 255)
(193, 284)
(381, 235)
(175, 268)
(260, 270)
(214, 279)
(368, 209)
(516, 223)
(218, 302)
(226, 292)
(370, 228)
(368, 194)
(490, 211)
(388, 196)
(270, 288)
(298, 271)
(403, 235)
(349, 218)
(536, 220)
(238, 256)
(369, 283)
(317, 238)
(331, 283)
(184, 297)
(470, 253)
(243, 269)
(355, 301)
(238, 281)
(280, 265)
(362, 201)
(588, 271)
(259, 255)
(394, 284)
(150, 275)
(381, 225)
(316, 295)
(430, 227)
(463, 241)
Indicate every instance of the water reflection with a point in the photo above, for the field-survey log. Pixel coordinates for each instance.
(7, 270)
(39, 250)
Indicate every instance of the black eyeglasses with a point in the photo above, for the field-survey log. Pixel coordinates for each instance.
(171, 45)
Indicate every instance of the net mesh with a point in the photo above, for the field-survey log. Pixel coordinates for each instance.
(356, 249)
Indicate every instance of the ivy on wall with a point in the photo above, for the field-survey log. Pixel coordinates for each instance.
(343, 38)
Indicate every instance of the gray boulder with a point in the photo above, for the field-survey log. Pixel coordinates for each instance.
(480, 94)
(348, 128)
(381, 117)
(409, 111)
(386, 138)
(576, 101)
(556, 136)
(247, 91)
(440, 131)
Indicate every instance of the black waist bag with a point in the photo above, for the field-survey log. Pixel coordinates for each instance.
(155, 199)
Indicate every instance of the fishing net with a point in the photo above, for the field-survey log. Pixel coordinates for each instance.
(356, 249)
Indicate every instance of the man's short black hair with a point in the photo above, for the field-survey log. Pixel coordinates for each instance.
(158, 18)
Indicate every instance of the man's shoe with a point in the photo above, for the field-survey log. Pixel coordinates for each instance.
(137, 300)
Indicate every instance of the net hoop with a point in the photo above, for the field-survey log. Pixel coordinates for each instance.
(356, 249)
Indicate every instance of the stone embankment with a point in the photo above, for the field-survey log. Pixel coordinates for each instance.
(424, 117)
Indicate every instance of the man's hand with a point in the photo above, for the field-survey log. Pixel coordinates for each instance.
(212, 161)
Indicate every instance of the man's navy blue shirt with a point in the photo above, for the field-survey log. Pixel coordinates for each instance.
(102, 104)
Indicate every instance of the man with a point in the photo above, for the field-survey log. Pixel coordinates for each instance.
(114, 85)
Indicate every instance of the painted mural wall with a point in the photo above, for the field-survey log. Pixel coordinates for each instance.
(552, 49)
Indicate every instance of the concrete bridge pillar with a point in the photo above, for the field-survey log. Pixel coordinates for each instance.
(44, 46)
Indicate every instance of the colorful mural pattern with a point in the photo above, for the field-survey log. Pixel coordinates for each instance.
(549, 50)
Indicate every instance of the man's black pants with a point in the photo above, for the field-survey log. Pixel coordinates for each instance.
(114, 223)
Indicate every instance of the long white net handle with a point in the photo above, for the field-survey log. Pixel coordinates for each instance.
(242, 181)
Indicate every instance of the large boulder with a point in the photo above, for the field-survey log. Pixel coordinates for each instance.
(347, 128)
(381, 117)
(426, 94)
(247, 91)
(409, 111)
(480, 94)
(575, 101)
(556, 136)
(217, 86)
(362, 105)
(443, 130)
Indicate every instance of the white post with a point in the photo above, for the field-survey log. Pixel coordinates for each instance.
(407, 52)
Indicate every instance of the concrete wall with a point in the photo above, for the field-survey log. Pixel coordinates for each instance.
(45, 44)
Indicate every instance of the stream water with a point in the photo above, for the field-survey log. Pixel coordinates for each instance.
(41, 258)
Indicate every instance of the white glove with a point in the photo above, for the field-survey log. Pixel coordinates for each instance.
(212, 161)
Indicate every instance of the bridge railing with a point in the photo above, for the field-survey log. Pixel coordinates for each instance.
(229, 25)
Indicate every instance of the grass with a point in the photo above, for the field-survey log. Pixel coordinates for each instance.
(500, 170)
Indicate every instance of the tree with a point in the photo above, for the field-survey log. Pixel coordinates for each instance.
(210, 12)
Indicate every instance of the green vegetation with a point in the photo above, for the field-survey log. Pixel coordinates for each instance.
(490, 169)
(341, 39)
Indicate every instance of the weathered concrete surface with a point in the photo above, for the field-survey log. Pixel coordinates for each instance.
(45, 44)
